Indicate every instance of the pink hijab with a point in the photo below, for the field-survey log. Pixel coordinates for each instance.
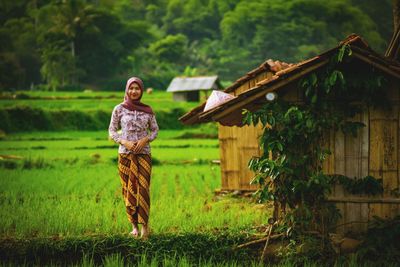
(135, 104)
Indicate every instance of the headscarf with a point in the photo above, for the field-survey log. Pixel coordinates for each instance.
(135, 104)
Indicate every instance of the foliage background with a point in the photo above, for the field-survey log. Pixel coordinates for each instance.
(76, 44)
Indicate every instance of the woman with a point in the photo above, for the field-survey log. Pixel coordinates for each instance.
(138, 128)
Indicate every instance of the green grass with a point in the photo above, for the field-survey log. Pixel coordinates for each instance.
(103, 135)
(162, 250)
(66, 94)
(85, 149)
(159, 100)
(71, 187)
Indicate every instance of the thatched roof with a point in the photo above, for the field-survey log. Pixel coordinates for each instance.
(184, 84)
(230, 112)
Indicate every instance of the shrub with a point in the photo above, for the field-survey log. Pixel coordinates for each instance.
(72, 120)
(38, 163)
(169, 119)
(24, 118)
(8, 164)
(5, 123)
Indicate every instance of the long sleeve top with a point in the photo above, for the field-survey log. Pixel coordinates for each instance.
(134, 126)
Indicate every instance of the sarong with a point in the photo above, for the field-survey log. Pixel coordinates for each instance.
(135, 171)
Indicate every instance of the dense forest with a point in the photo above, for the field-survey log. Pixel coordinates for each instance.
(97, 44)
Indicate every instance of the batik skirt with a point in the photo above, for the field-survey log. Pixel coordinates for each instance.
(135, 171)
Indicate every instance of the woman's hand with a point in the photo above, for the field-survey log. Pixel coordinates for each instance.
(131, 145)
(140, 144)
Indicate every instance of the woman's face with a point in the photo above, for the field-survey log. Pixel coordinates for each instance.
(134, 91)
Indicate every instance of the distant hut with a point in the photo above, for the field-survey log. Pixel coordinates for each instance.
(189, 88)
(375, 150)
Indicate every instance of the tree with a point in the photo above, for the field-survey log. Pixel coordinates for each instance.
(71, 17)
(18, 50)
(172, 48)
(58, 65)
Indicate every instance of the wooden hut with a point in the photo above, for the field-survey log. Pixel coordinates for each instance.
(189, 88)
(375, 150)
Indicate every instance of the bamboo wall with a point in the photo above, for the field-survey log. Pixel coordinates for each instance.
(375, 151)
(237, 146)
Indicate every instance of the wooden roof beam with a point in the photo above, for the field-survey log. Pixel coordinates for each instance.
(378, 66)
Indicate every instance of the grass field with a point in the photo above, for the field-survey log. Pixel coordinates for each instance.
(159, 100)
(66, 185)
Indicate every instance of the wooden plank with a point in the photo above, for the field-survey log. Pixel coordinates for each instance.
(364, 216)
(224, 181)
(228, 157)
(329, 143)
(390, 136)
(388, 113)
(357, 149)
(378, 197)
(232, 179)
(341, 228)
(385, 210)
(394, 210)
(331, 158)
(223, 131)
(232, 154)
(240, 89)
(390, 183)
(253, 82)
(353, 216)
(384, 152)
(246, 175)
(364, 138)
(265, 75)
(351, 156)
(222, 134)
(326, 142)
(339, 160)
(375, 209)
(376, 146)
(248, 147)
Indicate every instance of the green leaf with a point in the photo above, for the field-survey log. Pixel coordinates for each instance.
(314, 79)
(341, 78)
(304, 83)
(314, 99)
(280, 147)
(255, 120)
(309, 123)
(263, 119)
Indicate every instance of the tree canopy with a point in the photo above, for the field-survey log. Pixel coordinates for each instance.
(57, 44)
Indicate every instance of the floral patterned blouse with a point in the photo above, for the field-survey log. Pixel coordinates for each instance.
(135, 125)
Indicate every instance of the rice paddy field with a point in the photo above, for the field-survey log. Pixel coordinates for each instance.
(159, 100)
(64, 187)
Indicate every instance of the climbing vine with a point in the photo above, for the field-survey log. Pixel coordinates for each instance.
(290, 169)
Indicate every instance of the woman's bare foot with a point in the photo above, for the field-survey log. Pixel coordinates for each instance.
(145, 231)
(135, 231)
